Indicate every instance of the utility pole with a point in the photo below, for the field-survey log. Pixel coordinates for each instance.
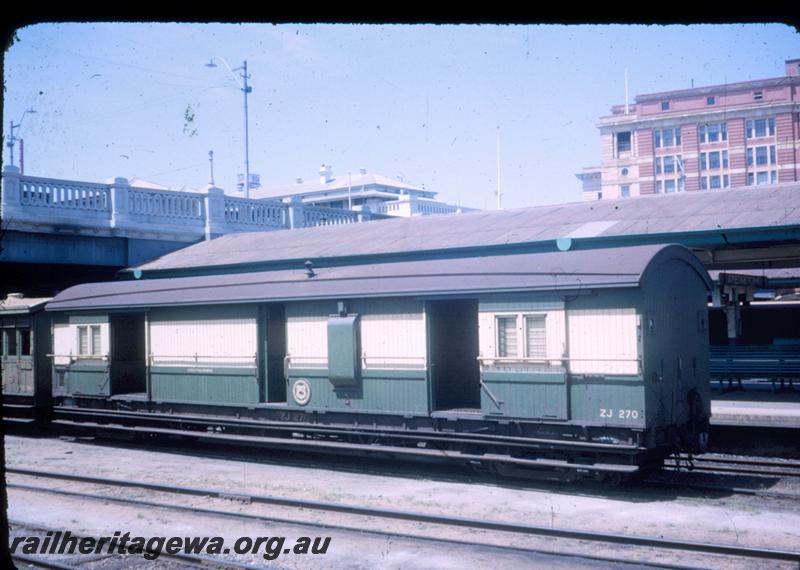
(12, 136)
(499, 194)
(246, 89)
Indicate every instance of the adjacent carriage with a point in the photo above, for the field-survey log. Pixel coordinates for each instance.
(25, 342)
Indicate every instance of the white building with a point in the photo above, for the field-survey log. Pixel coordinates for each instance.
(360, 190)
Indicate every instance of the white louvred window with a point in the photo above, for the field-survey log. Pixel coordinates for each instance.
(535, 337)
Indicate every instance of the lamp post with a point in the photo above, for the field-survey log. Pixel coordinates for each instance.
(12, 138)
(246, 89)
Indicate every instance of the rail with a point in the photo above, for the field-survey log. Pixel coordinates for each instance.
(394, 362)
(385, 513)
(367, 362)
(249, 360)
(79, 356)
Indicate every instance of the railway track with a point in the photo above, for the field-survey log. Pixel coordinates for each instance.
(388, 514)
(739, 465)
(180, 560)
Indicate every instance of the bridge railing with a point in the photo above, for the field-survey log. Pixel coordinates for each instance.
(158, 203)
(49, 193)
(116, 208)
(322, 216)
(255, 213)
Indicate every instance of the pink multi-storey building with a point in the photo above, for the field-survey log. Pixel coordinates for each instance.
(704, 138)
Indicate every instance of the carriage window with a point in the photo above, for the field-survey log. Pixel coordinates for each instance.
(89, 340)
(25, 342)
(83, 340)
(535, 338)
(506, 336)
(96, 340)
(11, 342)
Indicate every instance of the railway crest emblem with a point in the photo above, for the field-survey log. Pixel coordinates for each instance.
(301, 391)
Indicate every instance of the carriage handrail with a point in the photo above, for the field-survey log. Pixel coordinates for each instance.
(545, 359)
(79, 356)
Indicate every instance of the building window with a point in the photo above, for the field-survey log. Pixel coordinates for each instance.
(714, 182)
(667, 137)
(624, 171)
(625, 191)
(89, 340)
(758, 95)
(669, 186)
(713, 132)
(665, 105)
(668, 164)
(711, 100)
(659, 186)
(623, 142)
(506, 336)
(756, 128)
(761, 155)
(764, 177)
(535, 337)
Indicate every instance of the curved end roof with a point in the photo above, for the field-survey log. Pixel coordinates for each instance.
(554, 271)
(670, 252)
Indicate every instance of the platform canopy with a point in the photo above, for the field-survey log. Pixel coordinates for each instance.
(746, 227)
(557, 272)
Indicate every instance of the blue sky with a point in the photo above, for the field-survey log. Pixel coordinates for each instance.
(423, 102)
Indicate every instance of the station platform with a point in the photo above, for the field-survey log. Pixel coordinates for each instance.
(756, 410)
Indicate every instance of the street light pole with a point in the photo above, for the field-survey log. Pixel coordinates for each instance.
(246, 89)
(12, 138)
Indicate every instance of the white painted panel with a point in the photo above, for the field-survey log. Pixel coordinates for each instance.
(392, 332)
(225, 336)
(609, 335)
(66, 343)
(555, 332)
(307, 333)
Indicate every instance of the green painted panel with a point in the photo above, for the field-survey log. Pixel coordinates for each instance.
(527, 394)
(88, 380)
(381, 391)
(608, 400)
(88, 319)
(343, 351)
(529, 303)
(216, 385)
(17, 376)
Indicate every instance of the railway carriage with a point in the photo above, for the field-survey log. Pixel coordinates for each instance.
(25, 341)
(586, 361)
